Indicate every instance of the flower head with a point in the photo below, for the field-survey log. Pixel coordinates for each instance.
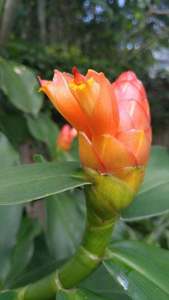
(66, 137)
(112, 120)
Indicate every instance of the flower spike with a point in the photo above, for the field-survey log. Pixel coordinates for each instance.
(113, 122)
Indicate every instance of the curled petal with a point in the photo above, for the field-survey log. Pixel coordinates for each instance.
(113, 154)
(105, 117)
(136, 142)
(67, 76)
(42, 83)
(86, 93)
(61, 97)
(88, 156)
(95, 75)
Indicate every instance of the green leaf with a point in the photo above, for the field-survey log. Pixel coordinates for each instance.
(12, 123)
(41, 265)
(101, 282)
(9, 216)
(78, 295)
(152, 200)
(23, 250)
(20, 85)
(9, 224)
(30, 182)
(8, 156)
(8, 295)
(44, 130)
(140, 269)
(63, 213)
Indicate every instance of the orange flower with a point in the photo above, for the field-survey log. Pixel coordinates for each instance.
(66, 137)
(112, 120)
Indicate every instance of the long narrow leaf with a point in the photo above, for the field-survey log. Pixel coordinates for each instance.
(30, 182)
(142, 270)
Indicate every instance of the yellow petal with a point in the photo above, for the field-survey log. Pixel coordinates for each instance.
(137, 143)
(133, 176)
(86, 94)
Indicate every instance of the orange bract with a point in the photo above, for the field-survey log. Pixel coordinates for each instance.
(113, 120)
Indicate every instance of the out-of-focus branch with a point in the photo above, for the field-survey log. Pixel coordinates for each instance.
(1, 6)
(153, 10)
(8, 18)
(41, 11)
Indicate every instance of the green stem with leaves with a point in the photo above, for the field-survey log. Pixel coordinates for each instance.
(87, 258)
(105, 198)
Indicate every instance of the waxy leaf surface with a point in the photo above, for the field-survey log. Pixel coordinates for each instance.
(142, 270)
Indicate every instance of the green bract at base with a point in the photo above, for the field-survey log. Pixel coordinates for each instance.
(108, 195)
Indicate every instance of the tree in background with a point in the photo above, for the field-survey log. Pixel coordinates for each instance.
(95, 34)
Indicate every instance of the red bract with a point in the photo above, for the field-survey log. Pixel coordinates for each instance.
(66, 137)
(112, 120)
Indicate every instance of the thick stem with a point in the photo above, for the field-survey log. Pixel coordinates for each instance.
(86, 259)
(90, 253)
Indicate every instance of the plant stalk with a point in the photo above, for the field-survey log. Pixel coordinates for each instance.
(87, 258)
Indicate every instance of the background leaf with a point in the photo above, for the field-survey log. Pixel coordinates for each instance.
(19, 84)
(30, 182)
(10, 216)
(152, 199)
(23, 250)
(41, 264)
(44, 130)
(8, 295)
(13, 125)
(63, 213)
(141, 270)
(101, 283)
(8, 156)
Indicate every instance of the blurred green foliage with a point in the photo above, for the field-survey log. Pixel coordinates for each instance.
(110, 36)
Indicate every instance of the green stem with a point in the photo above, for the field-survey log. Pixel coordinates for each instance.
(87, 258)
(90, 253)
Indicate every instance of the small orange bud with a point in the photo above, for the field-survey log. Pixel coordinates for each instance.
(66, 137)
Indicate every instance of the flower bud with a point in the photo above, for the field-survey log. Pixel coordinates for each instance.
(66, 137)
(113, 124)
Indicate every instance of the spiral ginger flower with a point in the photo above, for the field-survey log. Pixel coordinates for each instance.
(112, 120)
